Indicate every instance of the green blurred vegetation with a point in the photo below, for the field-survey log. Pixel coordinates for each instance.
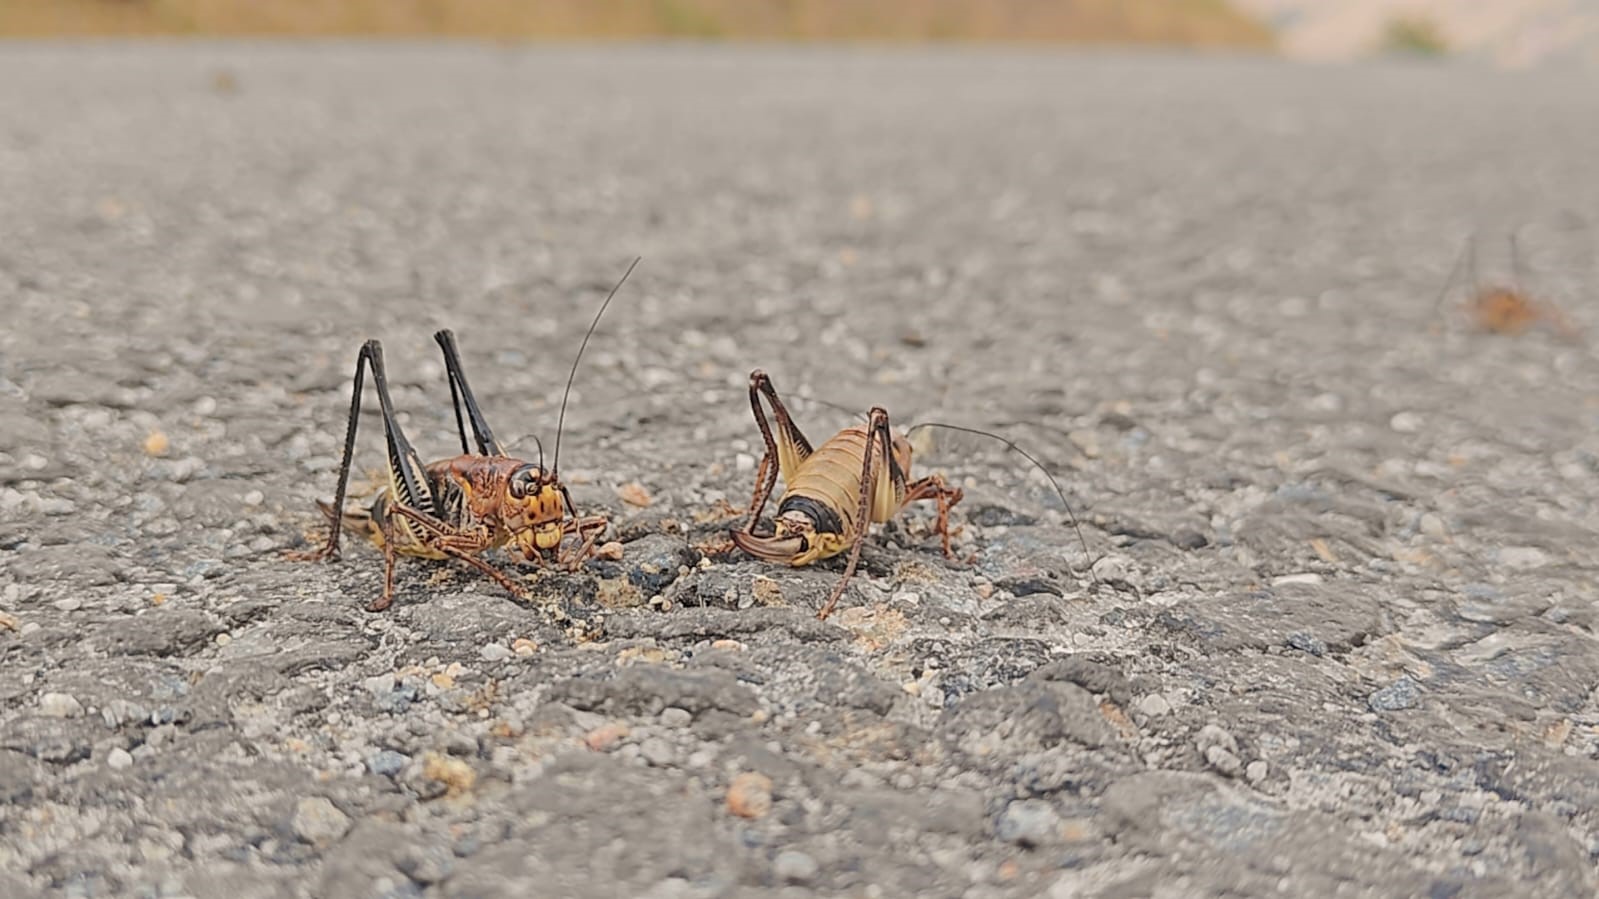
(1201, 23)
(1414, 37)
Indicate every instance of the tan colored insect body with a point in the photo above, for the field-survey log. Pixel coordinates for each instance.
(833, 493)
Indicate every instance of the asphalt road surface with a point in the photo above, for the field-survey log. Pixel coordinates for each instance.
(1340, 633)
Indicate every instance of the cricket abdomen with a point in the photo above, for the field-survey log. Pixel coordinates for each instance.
(827, 485)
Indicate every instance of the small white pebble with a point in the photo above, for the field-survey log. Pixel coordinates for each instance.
(795, 867)
(68, 605)
(318, 821)
(119, 759)
(1309, 577)
(1406, 422)
(380, 684)
(744, 462)
(254, 498)
(1154, 705)
(1223, 761)
(494, 652)
(60, 705)
(1523, 557)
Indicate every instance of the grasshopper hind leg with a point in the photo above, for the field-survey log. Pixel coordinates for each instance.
(461, 396)
(330, 550)
(877, 431)
(784, 450)
(409, 491)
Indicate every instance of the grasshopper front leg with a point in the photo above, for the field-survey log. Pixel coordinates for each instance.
(588, 530)
(457, 544)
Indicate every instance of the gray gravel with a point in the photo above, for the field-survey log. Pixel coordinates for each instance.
(1342, 639)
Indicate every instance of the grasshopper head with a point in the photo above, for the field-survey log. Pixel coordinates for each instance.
(794, 541)
(536, 510)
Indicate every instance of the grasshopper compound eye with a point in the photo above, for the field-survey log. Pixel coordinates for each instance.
(525, 481)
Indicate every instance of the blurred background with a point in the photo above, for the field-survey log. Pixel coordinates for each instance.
(1341, 637)
(1503, 32)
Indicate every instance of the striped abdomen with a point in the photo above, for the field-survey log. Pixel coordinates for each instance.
(830, 478)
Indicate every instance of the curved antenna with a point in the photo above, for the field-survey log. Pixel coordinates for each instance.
(537, 442)
(1019, 423)
(1011, 444)
(560, 422)
(1516, 272)
(806, 398)
(1465, 256)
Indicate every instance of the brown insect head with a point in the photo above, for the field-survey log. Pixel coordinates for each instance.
(538, 504)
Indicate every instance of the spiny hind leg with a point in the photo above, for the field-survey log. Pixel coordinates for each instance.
(370, 355)
(407, 476)
(794, 445)
(876, 430)
(934, 487)
(461, 396)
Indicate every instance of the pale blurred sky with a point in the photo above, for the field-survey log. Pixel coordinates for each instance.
(1505, 32)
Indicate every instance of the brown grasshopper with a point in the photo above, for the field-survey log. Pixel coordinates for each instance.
(1505, 308)
(459, 507)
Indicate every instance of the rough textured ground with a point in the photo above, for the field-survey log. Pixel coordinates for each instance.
(1342, 639)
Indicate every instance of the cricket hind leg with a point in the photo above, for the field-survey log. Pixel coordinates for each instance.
(877, 431)
(408, 478)
(1466, 259)
(793, 440)
(330, 550)
(461, 396)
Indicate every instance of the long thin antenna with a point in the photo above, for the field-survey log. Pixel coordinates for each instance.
(535, 438)
(1011, 444)
(806, 398)
(560, 422)
(1516, 273)
(1465, 255)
